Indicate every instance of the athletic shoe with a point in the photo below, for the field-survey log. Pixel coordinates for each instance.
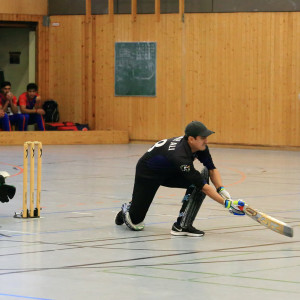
(119, 218)
(190, 230)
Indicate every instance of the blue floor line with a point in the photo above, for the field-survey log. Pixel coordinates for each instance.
(24, 297)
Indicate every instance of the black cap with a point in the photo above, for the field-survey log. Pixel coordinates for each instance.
(196, 128)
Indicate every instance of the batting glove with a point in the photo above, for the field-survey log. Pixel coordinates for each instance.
(235, 207)
(223, 193)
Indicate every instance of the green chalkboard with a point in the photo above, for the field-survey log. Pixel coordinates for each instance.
(135, 69)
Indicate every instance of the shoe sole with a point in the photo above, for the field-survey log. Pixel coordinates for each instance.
(182, 233)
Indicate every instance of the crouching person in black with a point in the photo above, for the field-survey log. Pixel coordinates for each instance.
(170, 163)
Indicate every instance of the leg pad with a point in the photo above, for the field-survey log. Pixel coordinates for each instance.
(192, 208)
(192, 202)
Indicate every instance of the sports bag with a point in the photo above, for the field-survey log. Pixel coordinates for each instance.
(51, 111)
(67, 126)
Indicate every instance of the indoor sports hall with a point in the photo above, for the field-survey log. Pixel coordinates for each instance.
(126, 74)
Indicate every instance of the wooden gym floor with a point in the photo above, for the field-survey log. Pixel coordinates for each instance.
(75, 251)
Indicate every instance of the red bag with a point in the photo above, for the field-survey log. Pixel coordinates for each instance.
(53, 126)
(67, 126)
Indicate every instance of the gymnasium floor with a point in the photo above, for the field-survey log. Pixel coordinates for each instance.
(75, 251)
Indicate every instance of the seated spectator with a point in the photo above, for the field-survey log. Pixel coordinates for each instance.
(4, 119)
(31, 106)
(8, 100)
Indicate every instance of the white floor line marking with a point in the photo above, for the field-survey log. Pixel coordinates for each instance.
(14, 231)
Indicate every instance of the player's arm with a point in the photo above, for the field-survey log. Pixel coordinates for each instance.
(22, 103)
(38, 103)
(212, 193)
(214, 174)
(5, 105)
(217, 181)
(13, 105)
(205, 158)
(38, 106)
(215, 177)
(9, 101)
(2, 113)
(25, 110)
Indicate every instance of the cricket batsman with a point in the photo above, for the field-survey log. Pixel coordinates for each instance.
(170, 163)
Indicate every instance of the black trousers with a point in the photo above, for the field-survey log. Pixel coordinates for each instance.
(144, 191)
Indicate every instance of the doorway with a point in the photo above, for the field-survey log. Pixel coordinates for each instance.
(18, 54)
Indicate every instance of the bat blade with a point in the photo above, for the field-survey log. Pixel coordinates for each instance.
(269, 222)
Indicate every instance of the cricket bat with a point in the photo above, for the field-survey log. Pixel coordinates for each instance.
(268, 221)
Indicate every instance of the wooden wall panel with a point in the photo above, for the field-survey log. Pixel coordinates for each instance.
(238, 73)
(66, 70)
(243, 76)
(146, 118)
(30, 7)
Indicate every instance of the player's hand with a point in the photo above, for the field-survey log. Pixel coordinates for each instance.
(235, 207)
(223, 193)
(40, 111)
(9, 96)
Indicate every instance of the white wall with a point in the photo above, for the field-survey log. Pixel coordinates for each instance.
(15, 40)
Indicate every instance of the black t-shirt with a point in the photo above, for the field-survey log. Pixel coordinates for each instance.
(172, 158)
